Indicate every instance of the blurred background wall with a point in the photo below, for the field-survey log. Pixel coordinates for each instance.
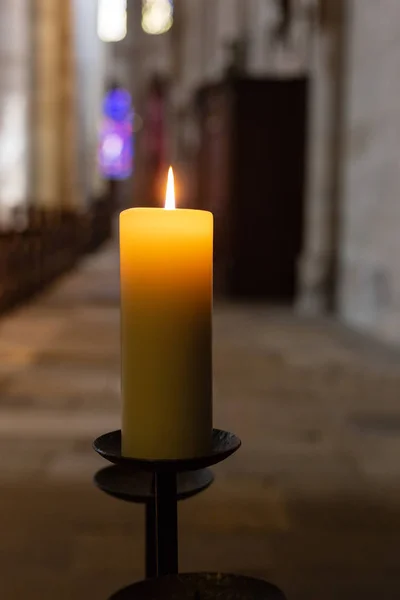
(370, 243)
(349, 264)
(231, 92)
(54, 206)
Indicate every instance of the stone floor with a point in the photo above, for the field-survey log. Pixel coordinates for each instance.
(311, 501)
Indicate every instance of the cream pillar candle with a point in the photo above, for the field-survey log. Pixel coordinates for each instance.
(166, 322)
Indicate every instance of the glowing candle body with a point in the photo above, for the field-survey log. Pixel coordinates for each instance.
(166, 332)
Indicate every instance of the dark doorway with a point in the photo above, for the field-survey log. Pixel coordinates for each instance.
(251, 176)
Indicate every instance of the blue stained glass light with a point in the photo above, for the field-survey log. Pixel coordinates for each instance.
(117, 104)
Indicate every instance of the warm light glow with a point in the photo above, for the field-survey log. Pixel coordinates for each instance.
(170, 193)
(157, 16)
(111, 20)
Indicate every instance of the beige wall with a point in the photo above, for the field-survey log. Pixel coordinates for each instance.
(317, 272)
(353, 207)
(370, 248)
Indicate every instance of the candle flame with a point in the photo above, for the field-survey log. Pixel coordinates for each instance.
(170, 193)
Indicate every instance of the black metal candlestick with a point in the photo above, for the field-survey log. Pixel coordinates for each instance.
(162, 522)
(165, 487)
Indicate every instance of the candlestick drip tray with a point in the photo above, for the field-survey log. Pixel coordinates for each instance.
(119, 483)
(224, 444)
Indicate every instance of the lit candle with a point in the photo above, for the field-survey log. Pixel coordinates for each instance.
(166, 322)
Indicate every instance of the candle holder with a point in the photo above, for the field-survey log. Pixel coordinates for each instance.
(163, 483)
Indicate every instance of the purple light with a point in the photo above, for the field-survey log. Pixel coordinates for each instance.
(115, 153)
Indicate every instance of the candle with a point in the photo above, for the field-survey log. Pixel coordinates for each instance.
(166, 323)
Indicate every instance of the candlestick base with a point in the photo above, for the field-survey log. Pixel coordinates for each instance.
(200, 586)
(224, 444)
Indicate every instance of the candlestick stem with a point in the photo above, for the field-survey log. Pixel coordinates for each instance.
(166, 508)
(151, 561)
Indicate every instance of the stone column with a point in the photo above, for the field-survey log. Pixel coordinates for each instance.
(54, 106)
(71, 190)
(318, 264)
(46, 104)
